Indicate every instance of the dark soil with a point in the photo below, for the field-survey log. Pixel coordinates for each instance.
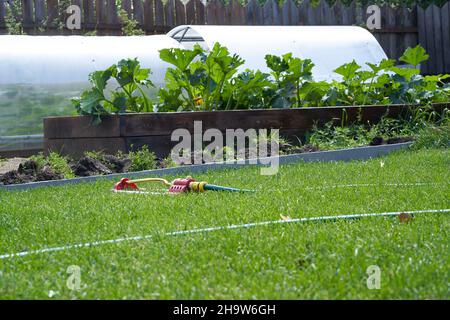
(399, 140)
(378, 141)
(46, 173)
(116, 164)
(88, 166)
(303, 149)
(107, 164)
(29, 172)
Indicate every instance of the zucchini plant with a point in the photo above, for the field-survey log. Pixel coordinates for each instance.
(129, 96)
(201, 80)
(210, 80)
(386, 83)
(291, 75)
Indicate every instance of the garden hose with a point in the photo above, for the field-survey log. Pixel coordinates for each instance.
(176, 186)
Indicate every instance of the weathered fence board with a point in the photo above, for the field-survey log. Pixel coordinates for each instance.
(100, 11)
(199, 12)
(445, 16)
(169, 14)
(180, 13)
(126, 5)
(434, 35)
(190, 12)
(138, 11)
(159, 13)
(39, 12)
(27, 12)
(2, 14)
(89, 12)
(149, 19)
(402, 27)
(111, 12)
(52, 13)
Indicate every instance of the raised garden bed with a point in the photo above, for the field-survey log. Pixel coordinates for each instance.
(74, 135)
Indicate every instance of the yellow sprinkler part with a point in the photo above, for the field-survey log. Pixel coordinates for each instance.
(197, 186)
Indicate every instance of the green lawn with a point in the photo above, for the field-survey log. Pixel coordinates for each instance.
(291, 261)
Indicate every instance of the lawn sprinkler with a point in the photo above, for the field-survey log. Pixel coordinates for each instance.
(177, 186)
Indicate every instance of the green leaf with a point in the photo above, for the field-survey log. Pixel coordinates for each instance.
(141, 74)
(314, 92)
(300, 69)
(415, 56)
(348, 70)
(384, 64)
(180, 58)
(126, 69)
(281, 102)
(99, 79)
(170, 100)
(119, 102)
(277, 64)
(364, 75)
(220, 65)
(90, 99)
(406, 73)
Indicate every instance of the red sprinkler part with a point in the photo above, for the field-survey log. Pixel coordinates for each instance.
(124, 184)
(181, 185)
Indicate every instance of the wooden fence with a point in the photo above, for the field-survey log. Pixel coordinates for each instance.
(402, 27)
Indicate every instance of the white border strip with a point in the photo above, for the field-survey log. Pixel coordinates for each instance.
(211, 229)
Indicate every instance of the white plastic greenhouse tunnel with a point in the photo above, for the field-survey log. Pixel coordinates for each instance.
(39, 74)
(327, 46)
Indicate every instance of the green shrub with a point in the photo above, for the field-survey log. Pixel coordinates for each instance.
(142, 159)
